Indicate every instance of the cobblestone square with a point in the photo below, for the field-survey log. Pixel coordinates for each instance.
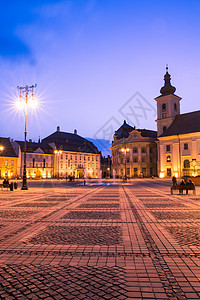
(131, 240)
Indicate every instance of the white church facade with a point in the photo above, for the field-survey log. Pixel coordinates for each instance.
(178, 135)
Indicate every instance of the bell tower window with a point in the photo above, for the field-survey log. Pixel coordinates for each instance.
(163, 107)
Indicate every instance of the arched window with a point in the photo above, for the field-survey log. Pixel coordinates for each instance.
(164, 128)
(163, 107)
(186, 164)
(175, 107)
(168, 158)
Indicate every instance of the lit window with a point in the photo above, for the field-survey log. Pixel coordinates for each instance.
(168, 158)
(12, 163)
(6, 163)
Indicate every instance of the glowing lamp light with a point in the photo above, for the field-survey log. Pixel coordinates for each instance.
(127, 149)
(122, 149)
(33, 103)
(176, 174)
(162, 174)
(55, 151)
(19, 104)
(1, 148)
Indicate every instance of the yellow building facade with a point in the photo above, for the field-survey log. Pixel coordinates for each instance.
(178, 135)
(8, 159)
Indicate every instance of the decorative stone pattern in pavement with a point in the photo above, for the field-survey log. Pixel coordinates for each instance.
(149, 195)
(164, 205)
(103, 200)
(178, 215)
(37, 204)
(134, 256)
(186, 235)
(99, 205)
(92, 215)
(167, 278)
(13, 214)
(79, 235)
(43, 282)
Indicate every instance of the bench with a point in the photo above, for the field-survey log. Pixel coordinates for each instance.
(4, 186)
(182, 188)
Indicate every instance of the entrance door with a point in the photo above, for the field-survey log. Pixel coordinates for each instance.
(38, 173)
(169, 172)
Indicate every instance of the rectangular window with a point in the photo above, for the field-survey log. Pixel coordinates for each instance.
(135, 159)
(168, 148)
(186, 146)
(143, 159)
(6, 163)
(66, 156)
(12, 163)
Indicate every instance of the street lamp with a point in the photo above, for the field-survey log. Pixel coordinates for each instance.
(125, 150)
(57, 153)
(1, 148)
(26, 91)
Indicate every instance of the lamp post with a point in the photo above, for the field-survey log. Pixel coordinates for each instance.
(57, 153)
(26, 90)
(125, 150)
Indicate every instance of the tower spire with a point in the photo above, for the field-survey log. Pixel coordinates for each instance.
(167, 89)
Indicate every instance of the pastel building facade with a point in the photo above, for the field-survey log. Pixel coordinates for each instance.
(39, 159)
(73, 155)
(178, 135)
(134, 152)
(8, 159)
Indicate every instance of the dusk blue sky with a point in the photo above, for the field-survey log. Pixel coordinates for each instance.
(94, 60)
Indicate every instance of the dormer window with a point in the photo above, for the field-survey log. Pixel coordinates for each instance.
(164, 128)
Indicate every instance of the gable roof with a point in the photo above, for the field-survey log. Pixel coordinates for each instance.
(8, 150)
(183, 124)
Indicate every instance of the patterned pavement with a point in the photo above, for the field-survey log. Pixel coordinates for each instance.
(126, 241)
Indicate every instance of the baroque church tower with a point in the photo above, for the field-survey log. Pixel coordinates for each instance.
(168, 105)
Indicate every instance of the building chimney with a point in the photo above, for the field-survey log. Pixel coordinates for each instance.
(75, 131)
(30, 140)
(58, 128)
